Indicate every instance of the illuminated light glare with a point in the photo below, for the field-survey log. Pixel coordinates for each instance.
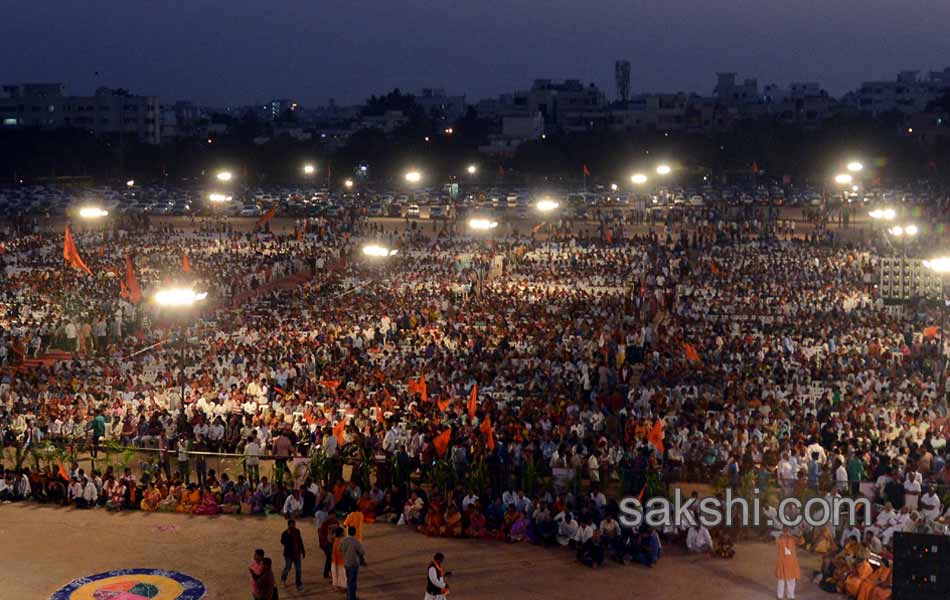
(613, 187)
(663, 170)
(377, 251)
(843, 179)
(911, 230)
(348, 183)
(130, 183)
(883, 213)
(897, 231)
(940, 264)
(482, 224)
(472, 169)
(179, 297)
(547, 205)
(224, 176)
(638, 178)
(92, 212)
(413, 176)
(219, 197)
(854, 188)
(309, 169)
(855, 166)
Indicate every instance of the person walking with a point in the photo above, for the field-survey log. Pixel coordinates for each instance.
(436, 587)
(325, 533)
(353, 559)
(294, 553)
(787, 570)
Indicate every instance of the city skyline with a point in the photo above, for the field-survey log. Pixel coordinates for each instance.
(221, 54)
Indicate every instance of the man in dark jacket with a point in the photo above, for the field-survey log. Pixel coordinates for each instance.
(294, 552)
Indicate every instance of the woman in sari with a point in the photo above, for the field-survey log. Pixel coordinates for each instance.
(519, 529)
(230, 503)
(511, 515)
(172, 500)
(453, 522)
(435, 519)
(412, 511)
(190, 498)
(247, 503)
(208, 505)
(151, 499)
(476, 522)
(116, 496)
(337, 568)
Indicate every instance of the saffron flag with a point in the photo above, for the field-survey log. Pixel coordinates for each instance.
(691, 354)
(755, 167)
(488, 432)
(443, 404)
(267, 216)
(62, 472)
(640, 495)
(379, 414)
(714, 268)
(586, 171)
(418, 386)
(930, 332)
(441, 442)
(71, 254)
(655, 436)
(132, 284)
(330, 383)
(185, 263)
(338, 432)
(501, 170)
(473, 401)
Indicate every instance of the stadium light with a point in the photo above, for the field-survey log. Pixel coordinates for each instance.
(92, 212)
(883, 214)
(216, 197)
(224, 176)
(664, 170)
(638, 178)
(843, 179)
(309, 169)
(854, 166)
(941, 264)
(547, 205)
(472, 169)
(413, 177)
(482, 224)
(348, 184)
(377, 251)
(130, 183)
(178, 297)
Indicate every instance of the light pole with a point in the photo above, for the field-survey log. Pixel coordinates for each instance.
(179, 299)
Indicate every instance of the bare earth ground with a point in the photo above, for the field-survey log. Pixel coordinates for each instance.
(43, 548)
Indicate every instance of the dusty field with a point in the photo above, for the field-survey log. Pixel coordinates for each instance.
(44, 548)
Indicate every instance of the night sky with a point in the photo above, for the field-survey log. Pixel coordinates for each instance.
(241, 51)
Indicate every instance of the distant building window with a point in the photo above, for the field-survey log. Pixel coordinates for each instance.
(10, 121)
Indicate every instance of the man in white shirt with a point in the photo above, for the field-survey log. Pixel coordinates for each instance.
(293, 505)
(698, 539)
(252, 453)
(89, 494)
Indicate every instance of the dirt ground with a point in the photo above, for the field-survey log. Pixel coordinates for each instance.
(43, 548)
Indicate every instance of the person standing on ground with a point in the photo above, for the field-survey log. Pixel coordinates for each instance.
(256, 570)
(787, 570)
(326, 527)
(436, 588)
(353, 558)
(294, 553)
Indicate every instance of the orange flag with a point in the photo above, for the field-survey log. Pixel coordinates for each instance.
(338, 432)
(185, 263)
(62, 472)
(443, 404)
(379, 414)
(267, 216)
(441, 442)
(691, 354)
(71, 254)
(131, 284)
(473, 401)
(489, 433)
(330, 383)
(930, 332)
(419, 387)
(655, 436)
(714, 267)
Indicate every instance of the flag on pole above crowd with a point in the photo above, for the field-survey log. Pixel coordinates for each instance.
(71, 254)
(267, 216)
(473, 401)
(131, 283)
(185, 263)
(441, 442)
(586, 171)
(655, 436)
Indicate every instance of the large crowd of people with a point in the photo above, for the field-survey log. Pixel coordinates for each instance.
(508, 386)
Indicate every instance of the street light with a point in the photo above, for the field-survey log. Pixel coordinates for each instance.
(638, 178)
(482, 224)
(854, 166)
(348, 184)
(92, 212)
(224, 176)
(547, 205)
(309, 169)
(377, 251)
(472, 169)
(883, 214)
(843, 179)
(130, 183)
(613, 187)
(413, 177)
(664, 170)
(896, 231)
